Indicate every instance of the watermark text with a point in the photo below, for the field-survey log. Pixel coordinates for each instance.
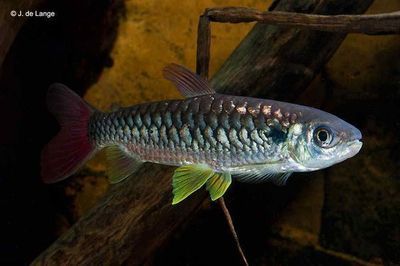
(32, 13)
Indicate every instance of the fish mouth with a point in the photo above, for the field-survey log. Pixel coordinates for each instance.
(355, 142)
(355, 146)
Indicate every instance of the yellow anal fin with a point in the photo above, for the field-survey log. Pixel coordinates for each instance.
(187, 179)
(120, 164)
(218, 184)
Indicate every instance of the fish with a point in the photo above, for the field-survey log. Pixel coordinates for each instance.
(211, 138)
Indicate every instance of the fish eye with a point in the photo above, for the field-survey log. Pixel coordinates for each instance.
(323, 136)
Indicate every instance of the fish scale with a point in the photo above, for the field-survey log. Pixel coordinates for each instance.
(221, 130)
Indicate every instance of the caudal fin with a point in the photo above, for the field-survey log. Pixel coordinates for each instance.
(70, 148)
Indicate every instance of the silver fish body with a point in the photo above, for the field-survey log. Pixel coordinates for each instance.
(225, 132)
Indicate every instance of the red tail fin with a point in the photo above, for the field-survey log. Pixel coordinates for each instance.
(70, 149)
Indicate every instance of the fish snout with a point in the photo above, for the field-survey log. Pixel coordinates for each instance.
(350, 134)
(356, 134)
(354, 141)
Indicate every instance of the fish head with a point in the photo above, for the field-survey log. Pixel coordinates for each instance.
(324, 140)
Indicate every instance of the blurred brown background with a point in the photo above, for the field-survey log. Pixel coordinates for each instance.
(113, 52)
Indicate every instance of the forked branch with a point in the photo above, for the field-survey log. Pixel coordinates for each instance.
(377, 24)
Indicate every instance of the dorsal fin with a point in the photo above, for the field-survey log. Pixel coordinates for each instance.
(188, 83)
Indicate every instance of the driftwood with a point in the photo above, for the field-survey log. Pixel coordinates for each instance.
(135, 217)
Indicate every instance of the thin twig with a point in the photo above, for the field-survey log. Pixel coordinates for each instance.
(228, 217)
(385, 23)
(203, 47)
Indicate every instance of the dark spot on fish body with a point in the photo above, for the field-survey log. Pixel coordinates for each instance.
(277, 135)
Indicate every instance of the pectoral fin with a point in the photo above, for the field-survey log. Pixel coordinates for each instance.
(218, 184)
(259, 176)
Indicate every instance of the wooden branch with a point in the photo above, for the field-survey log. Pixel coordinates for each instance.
(135, 217)
(387, 23)
(203, 47)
